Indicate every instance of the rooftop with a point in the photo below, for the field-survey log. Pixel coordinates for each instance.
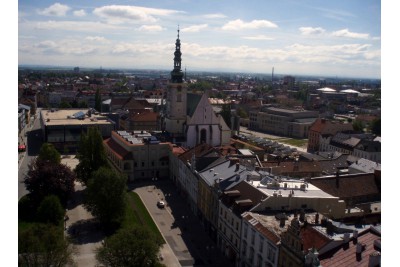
(286, 187)
(53, 117)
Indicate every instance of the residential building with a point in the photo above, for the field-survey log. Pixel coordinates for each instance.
(221, 175)
(232, 204)
(324, 127)
(138, 154)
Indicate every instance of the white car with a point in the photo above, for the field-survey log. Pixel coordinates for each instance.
(160, 204)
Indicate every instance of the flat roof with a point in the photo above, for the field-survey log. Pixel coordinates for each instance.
(53, 117)
(295, 186)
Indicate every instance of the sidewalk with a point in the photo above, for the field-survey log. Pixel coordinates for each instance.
(80, 226)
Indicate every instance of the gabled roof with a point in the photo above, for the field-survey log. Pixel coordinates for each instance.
(118, 150)
(191, 103)
(144, 116)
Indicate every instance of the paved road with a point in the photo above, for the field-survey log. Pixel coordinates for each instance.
(180, 228)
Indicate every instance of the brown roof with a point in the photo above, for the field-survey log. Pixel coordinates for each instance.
(346, 255)
(144, 116)
(323, 126)
(351, 185)
(313, 238)
(197, 150)
(118, 150)
(136, 104)
(286, 167)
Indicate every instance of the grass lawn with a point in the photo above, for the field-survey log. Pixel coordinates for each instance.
(136, 213)
(294, 142)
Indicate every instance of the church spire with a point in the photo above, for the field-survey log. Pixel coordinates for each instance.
(176, 73)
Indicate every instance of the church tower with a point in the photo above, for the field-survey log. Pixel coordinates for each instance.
(175, 119)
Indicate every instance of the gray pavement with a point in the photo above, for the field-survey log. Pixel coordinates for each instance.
(181, 229)
(81, 227)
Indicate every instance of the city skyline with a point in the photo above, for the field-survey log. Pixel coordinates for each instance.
(340, 38)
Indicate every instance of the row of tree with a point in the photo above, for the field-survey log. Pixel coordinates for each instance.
(106, 198)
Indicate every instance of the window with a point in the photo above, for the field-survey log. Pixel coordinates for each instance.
(253, 236)
(259, 261)
(261, 244)
(142, 163)
(244, 248)
(245, 230)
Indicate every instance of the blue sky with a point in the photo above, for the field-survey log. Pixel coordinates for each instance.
(326, 38)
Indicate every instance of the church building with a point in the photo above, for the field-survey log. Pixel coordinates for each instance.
(191, 116)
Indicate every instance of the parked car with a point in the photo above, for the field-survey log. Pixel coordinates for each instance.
(160, 204)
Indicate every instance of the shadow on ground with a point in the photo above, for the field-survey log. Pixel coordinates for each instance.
(85, 231)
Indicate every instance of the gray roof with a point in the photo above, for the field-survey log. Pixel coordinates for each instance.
(192, 100)
(225, 174)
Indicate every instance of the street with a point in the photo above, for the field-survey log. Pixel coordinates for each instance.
(181, 229)
(33, 140)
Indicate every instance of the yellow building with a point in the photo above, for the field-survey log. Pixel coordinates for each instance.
(138, 154)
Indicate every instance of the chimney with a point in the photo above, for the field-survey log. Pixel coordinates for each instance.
(237, 166)
(302, 215)
(346, 238)
(282, 221)
(317, 218)
(359, 251)
(374, 259)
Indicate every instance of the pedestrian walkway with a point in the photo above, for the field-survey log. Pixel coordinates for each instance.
(81, 227)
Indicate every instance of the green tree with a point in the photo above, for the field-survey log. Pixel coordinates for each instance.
(134, 246)
(49, 153)
(44, 245)
(105, 197)
(376, 126)
(50, 210)
(358, 126)
(91, 154)
(65, 104)
(97, 100)
(46, 178)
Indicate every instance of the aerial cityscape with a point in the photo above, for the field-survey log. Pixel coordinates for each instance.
(225, 133)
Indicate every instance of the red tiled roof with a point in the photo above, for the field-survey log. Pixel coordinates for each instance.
(197, 150)
(118, 150)
(346, 256)
(312, 238)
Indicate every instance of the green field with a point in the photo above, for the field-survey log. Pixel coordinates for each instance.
(136, 213)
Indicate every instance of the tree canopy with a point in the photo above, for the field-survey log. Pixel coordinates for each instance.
(105, 196)
(91, 154)
(44, 245)
(134, 246)
(226, 114)
(49, 153)
(358, 126)
(376, 126)
(50, 210)
(46, 178)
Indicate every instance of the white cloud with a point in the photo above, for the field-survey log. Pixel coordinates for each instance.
(117, 13)
(254, 24)
(258, 37)
(214, 16)
(79, 13)
(311, 30)
(96, 39)
(347, 33)
(79, 26)
(56, 9)
(151, 28)
(195, 28)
